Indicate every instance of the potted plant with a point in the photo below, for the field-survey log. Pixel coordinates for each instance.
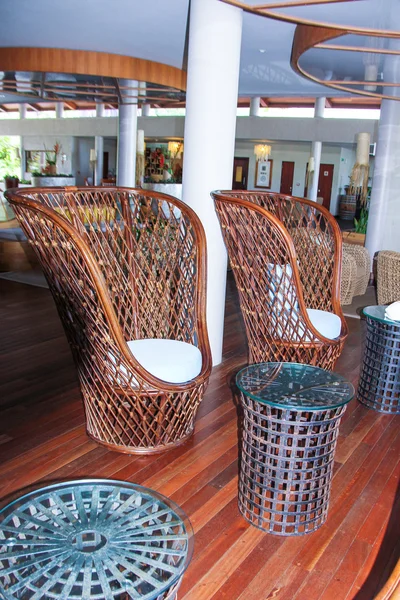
(11, 181)
(51, 160)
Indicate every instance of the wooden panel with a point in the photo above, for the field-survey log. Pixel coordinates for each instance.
(84, 62)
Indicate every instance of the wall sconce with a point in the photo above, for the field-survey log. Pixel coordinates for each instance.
(262, 152)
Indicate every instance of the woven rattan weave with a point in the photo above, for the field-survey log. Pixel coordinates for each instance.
(291, 417)
(388, 276)
(356, 267)
(123, 265)
(379, 385)
(285, 254)
(93, 540)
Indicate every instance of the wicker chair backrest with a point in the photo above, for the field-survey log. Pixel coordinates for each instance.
(122, 265)
(316, 239)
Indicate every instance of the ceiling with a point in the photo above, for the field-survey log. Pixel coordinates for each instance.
(127, 27)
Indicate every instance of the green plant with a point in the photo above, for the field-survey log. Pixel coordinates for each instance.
(26, 181)
(9, 161)
(361, 223)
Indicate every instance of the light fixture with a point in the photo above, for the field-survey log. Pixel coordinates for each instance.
(262, 151)
(175, 148)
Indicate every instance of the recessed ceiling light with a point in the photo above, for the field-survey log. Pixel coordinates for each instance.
(262, 50)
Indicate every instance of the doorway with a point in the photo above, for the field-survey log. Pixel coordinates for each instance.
(240, 173)
(287, 175)
(325, 184)
(105, 165)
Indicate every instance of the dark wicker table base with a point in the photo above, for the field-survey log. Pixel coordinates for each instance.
(379, 386)
(287, 466)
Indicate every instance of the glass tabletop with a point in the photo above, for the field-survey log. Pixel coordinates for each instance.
(294, 385)
(377, 313)
(92, 539)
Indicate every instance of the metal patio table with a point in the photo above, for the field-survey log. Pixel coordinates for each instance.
(93, 539)
(379, 386)
(291, 417)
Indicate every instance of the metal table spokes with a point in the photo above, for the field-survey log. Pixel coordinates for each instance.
(291, 417)
(93, 539)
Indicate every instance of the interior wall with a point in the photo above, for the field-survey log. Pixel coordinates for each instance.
(47, 142)
(299, 153)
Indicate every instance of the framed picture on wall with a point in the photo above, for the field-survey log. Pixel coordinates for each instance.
(263, 174)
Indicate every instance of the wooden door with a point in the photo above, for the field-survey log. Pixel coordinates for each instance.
(105, 165)
(287, 178)
(325, 184)
(240, 173)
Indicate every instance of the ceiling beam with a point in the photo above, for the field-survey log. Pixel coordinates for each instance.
(71, 105)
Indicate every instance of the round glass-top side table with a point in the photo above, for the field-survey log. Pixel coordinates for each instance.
(379, 385)
(292, 414)
(93, 539)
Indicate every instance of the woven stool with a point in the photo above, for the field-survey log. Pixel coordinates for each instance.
(93, 540)
(388, 276)
(379, 386)
(291, 418)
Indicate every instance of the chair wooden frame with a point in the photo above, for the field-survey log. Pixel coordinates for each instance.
(123, 264)
(285, 253)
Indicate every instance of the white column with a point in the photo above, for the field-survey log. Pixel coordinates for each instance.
(98, 168)
(23, 157)
(146, 110)
(316, 150)
(383, 231)
(255, 106)
(99, 110)
(127, 132)
(213, 64)
(59, 110)
(23, 110)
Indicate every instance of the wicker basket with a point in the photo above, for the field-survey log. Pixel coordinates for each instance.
(388, 276)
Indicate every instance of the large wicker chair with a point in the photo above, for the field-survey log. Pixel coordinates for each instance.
(285, 254)
(127, 271)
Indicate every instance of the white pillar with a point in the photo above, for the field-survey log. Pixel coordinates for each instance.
(99, 110)
(316, 149)
(98, 168)
(23, 157)
(127, 132)
(255, 106)
(213, 64)
(146, 110)
(59, 110)
(23, 110)
(383, 231)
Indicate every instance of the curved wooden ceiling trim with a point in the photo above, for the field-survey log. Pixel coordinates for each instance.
(84, 62)
(272, 12)
(307, 37)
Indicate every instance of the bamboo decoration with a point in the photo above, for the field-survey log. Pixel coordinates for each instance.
(124, 265)
(286, 256)
(360, 171)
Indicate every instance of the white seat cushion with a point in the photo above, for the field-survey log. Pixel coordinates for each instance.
(328, 324)
(169, 360)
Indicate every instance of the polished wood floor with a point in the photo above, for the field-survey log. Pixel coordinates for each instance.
(42, 439)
